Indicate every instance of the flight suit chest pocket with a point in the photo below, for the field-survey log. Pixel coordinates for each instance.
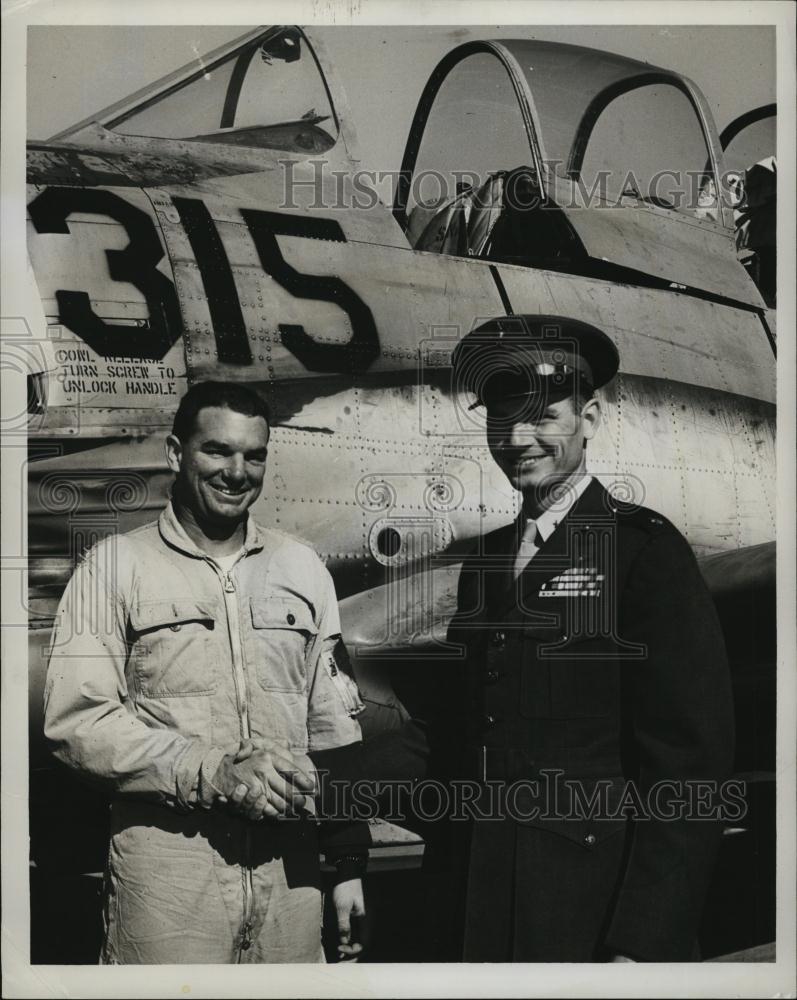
(172, 650)
(564, 678)
(282, 630)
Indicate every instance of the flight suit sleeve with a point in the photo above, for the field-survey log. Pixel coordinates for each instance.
(88, 719)
(334, 703)
(334, 700)
(678, 702)
(395, 756)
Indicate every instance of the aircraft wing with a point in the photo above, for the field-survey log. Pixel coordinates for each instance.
(408, 616)
(396, 616)
(747, 570)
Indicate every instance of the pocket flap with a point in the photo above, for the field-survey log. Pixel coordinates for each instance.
(552, 632)
(281, 612)
(157, 614)
(579, 646)
(591, 823)
(588, 833)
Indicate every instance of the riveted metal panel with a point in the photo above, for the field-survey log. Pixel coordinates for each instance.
(657, 331)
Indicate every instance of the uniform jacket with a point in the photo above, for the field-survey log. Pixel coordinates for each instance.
(161, 663)
(603, 665)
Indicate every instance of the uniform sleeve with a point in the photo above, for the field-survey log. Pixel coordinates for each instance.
(88, 718)
(679, 702)
(334, 700)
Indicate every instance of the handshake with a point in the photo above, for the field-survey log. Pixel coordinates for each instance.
(263, 780)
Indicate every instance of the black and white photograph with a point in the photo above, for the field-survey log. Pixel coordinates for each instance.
(398, 499)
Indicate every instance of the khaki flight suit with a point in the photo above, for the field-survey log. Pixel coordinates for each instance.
(161, 663)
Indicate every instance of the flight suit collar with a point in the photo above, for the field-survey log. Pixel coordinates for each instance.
(175, 535)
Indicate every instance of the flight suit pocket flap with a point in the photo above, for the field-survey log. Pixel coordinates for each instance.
(172, 652)
(279, 612)
(158, 614)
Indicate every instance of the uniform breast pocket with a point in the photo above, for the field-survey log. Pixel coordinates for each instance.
(282, 629)
(566, 679)
(173, 648)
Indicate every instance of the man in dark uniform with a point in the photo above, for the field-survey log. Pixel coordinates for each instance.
(597, 705)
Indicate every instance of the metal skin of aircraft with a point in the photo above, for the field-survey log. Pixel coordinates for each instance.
(185, 233)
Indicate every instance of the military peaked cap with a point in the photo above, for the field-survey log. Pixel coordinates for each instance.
(544, 356)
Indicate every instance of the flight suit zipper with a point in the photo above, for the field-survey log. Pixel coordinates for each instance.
(242, 699)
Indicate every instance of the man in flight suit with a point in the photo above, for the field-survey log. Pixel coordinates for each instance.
(597, 697)
(178, 647)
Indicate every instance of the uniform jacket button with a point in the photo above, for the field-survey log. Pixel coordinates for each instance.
(175, 628)
(490, 720)
(590, 839)
(491, 676)
(291, 619)
(498, 638)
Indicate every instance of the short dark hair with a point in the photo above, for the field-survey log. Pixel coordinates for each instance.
(232, 395)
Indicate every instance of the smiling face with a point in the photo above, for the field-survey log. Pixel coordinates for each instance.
(220, 467)
(536, 451)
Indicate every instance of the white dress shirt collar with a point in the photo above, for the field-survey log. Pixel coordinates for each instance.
(552, 516)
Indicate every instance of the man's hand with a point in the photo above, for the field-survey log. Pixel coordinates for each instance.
(622, 958)
(348, 901)
(264, 782)
(286, 763)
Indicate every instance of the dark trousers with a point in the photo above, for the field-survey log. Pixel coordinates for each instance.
(534, 895)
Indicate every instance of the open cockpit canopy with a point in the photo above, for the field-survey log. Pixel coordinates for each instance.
(556, 156)
(264, 89)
